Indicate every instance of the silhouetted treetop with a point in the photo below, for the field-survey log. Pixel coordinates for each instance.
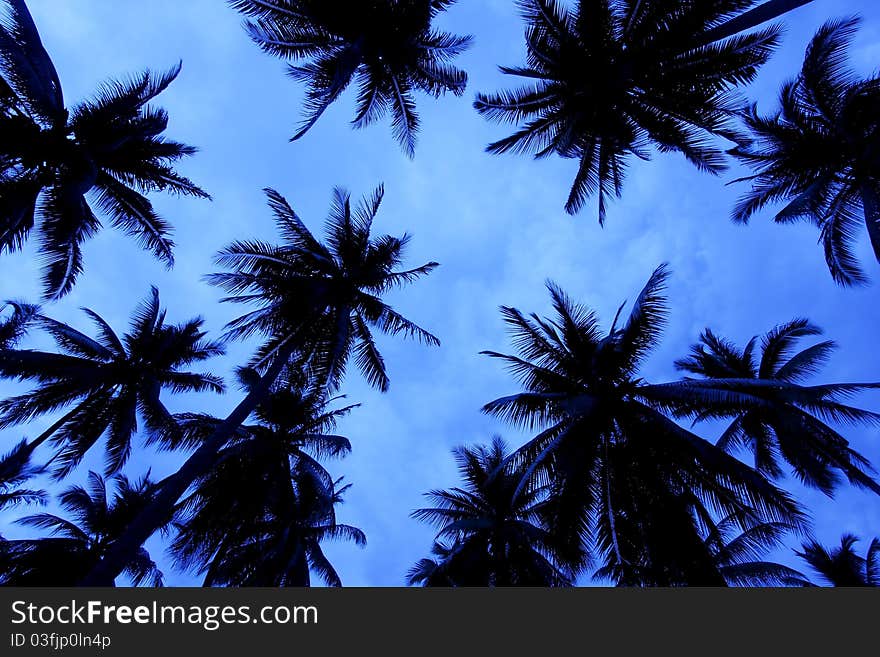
(387, 47)
(110, 148)
(817, 154)
(604, 80)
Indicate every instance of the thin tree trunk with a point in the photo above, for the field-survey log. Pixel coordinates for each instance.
(752, 18)
(161, 509)
(611, 522)
(295, 569)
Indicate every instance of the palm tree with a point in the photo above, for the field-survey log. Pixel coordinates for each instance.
(108, 381)
(624, 479)
(819, 152)
(316, 305)
(608, 78)
(321, 300)
(257, 518)
(77, 543)
(110, 147)
(388, 46)
(496, 526)
(841, 566)
(790, 426)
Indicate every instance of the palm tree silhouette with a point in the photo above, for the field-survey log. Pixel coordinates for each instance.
(841, 566)
(270, 535)
(607, 79)
(321, 301)
(819, 153)
(107, 380)
(388, 46)
(790, 426)
(110, 147)
(316, 305)
(496, 526)
(625, 480)
(77, 543)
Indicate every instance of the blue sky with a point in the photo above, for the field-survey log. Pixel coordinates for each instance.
(496, 225)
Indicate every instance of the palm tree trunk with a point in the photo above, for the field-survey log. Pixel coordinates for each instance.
(611, 521)
(752, 18)
(161, 509)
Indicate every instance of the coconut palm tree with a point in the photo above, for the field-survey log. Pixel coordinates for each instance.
(606, 79)
(388, 47)
(626, 481)
(110, 148)
(258, 538)
(75, 544)
(841, 566)
(316, 305)
(819, 154)
(791, 425)
(496, 527)
(321, 300)
(104, 383)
